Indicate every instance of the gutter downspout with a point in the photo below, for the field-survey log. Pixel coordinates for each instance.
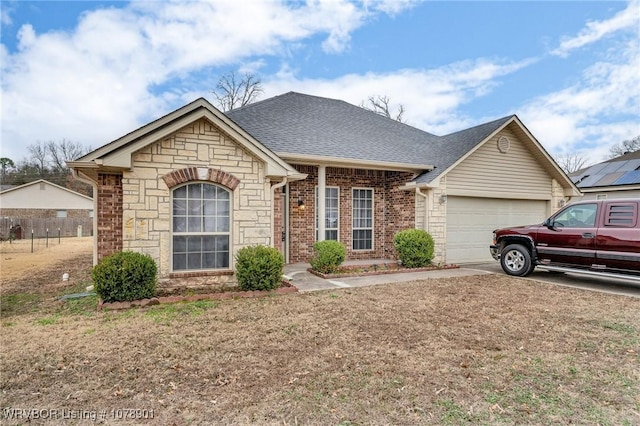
(426, 207)
(94, 185)
(284, 181)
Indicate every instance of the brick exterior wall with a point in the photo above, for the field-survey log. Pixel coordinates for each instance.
(394, 210)
(109, 233)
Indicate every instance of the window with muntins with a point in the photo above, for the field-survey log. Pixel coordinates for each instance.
(362, 219)
(200, 225)
(331, 213)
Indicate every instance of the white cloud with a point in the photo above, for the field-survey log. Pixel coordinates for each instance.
(599, 110)
(629, 18)
(100, 80)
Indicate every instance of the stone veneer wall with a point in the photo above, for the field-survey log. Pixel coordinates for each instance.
(393, 210)
(147, 198)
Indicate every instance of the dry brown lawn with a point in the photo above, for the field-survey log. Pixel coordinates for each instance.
(478, 350)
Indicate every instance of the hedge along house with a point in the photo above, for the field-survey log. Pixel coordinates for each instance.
(193, 187)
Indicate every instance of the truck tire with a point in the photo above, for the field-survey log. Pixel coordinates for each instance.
(515, 260)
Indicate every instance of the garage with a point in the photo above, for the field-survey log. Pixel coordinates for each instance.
(471, 221)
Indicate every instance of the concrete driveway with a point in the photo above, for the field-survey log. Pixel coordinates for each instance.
(606, 285)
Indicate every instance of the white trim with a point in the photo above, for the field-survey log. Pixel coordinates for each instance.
(321, 201)
(373, 218)
(506, 195)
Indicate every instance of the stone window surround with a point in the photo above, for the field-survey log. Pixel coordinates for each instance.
(202, 174)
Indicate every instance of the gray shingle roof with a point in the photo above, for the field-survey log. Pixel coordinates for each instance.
(296, 123)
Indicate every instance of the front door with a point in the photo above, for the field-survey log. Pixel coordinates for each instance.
(571, 239)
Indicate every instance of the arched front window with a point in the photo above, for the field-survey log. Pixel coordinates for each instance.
(201, 224)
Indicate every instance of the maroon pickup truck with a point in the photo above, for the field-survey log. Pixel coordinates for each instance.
(596, 237)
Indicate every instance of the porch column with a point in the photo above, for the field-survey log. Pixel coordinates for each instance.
(322, 185)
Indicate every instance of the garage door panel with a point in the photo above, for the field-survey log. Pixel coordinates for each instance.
(471, 221)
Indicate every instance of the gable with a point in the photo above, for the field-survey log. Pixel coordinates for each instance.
(44, 195)
(117, 156)
(497, 171)
(197, 145)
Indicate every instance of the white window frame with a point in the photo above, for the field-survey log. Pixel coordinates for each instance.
(353, 218)
(337, 228)
(61, 214)
(202, 233)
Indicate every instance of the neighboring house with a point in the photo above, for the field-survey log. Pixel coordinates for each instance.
(196, 185)
(43, 199)
(615, 178)
(44, 208)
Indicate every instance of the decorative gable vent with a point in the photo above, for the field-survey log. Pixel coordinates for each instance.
(504, 144)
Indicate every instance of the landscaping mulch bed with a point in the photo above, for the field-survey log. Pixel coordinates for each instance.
(376, 269)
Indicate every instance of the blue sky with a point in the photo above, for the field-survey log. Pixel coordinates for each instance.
(91, 72)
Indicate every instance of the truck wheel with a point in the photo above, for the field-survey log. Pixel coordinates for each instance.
(515, 260)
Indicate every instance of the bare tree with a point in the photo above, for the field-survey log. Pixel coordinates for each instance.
(630, 145)
(571, 162)
(63, 151)
(39, 157)
(381, 105)
(234, 91)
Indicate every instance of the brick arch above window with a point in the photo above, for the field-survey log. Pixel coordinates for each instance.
(188, 174)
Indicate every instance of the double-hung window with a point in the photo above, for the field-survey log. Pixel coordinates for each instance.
(201, 224)
(362, 219)
(331, 213)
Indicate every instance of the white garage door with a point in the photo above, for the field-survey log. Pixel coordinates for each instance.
(471, 221)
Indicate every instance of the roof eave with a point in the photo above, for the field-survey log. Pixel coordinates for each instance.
(315, 160)
(611, 188)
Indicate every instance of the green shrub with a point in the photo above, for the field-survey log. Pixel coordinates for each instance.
(328, 256)
(414, 247)
(259, 268)
(125, 276)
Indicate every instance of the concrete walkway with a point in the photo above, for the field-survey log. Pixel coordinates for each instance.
(299, 276)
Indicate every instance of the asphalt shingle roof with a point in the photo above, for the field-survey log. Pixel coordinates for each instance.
(296, 123)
